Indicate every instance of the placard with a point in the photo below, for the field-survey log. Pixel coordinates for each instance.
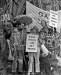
(53, 18)
(59, 21)
(31, 43)
(5, 17)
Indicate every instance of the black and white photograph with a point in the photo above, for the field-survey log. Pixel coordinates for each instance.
(30, 37)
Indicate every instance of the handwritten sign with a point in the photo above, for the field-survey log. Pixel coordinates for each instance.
(31, 43)
(53, 18)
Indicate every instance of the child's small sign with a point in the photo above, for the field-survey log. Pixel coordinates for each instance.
(31, 43)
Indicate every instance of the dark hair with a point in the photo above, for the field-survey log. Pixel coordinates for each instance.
(36, 28)
(44, 22)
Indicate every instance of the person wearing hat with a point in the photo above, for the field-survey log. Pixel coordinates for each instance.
(24, 30)
(17, 43)
(14, 44)
(34, 55)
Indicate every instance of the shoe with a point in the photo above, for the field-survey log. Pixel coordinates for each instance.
(37, 73)
(28, 73)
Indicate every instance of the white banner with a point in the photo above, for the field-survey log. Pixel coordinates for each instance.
(31, 43)
(37, 14)
(53, 18)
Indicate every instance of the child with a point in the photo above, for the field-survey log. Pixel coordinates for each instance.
(34, 55)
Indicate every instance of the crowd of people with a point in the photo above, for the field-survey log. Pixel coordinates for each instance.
(13, 49)
(13, 38)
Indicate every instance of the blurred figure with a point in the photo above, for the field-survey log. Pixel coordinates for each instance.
(34, 55)
(19, 53)
(44, 54)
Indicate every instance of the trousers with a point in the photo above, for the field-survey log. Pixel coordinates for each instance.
(34, 55)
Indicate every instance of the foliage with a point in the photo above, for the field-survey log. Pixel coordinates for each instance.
(19, 6)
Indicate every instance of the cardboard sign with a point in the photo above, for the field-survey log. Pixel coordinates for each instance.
(31, 43)
(53, 18)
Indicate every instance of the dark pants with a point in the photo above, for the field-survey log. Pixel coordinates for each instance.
(45, 65)
(25, 62)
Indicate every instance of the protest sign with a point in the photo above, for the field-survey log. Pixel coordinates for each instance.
(5, 17)
(40, 15)
(31, 43)
(53, 19)
(59, 21)
(37, 14)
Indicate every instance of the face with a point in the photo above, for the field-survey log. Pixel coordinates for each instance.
(22, 25)
(48, 7)
(34, 31)
(60, 41)
(43, 23)
(15, 30)
(42, 35)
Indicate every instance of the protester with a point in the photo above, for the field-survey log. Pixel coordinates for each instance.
(25, 57)
(44, 55)
(14, 40)
(19, 48)
(34, 55)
